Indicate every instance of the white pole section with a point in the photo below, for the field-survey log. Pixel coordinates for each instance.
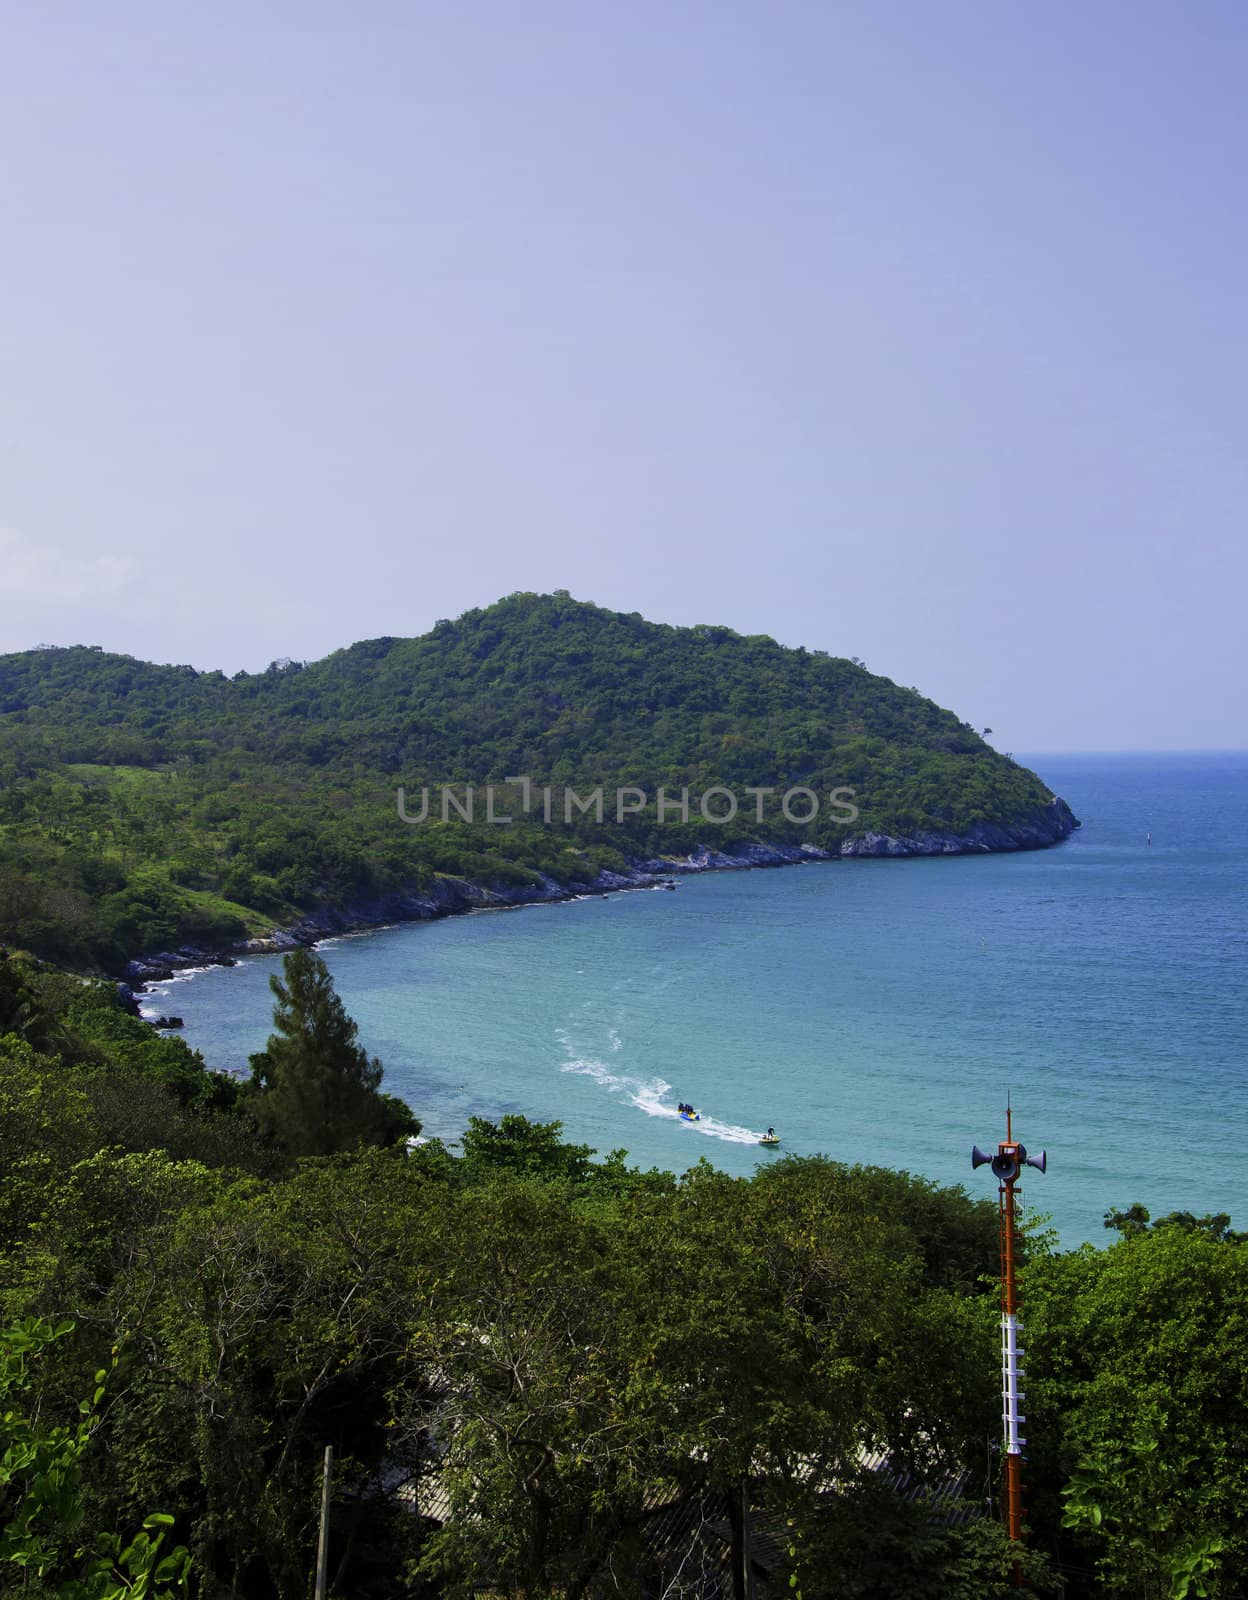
(1011, 1373)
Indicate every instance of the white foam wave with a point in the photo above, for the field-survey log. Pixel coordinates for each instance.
(649, 1098)
(588, 1068)
(730, 1132)
(648, 1094)
(180, 976)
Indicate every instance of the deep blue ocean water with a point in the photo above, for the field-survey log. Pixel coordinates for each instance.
(877, 1011)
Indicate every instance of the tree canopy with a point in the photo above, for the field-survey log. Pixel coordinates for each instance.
(544, 1373)
(318, 1091)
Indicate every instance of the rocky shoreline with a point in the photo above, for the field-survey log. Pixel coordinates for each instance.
(452, 896)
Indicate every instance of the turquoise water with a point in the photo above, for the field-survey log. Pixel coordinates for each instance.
(877, 1011)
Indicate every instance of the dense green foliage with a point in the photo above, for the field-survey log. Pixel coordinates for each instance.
(547, 1375)
(317, 1091)
(41, 1496)
(1139, 1405)
(144, 806)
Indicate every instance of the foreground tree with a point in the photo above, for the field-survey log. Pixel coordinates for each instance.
(318, 1089)
(1139, 1407)
(42, 1532)
(870, 1540)
(614, 1375)
(276, 1321)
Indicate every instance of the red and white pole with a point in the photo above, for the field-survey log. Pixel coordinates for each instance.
(1011, 1351)
(1007, 1166)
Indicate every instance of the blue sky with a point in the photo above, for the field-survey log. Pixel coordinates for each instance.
(915, 332)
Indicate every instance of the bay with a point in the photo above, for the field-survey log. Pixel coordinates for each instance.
(875, 1011)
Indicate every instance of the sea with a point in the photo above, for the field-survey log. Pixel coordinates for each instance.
(874, 1011)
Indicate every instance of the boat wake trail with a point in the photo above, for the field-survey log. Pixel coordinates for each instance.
(648, 1095)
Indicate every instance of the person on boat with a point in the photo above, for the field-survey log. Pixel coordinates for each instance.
(771, 1133)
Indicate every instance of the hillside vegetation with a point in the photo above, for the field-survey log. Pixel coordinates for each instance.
(145, 806)
(545, 1376)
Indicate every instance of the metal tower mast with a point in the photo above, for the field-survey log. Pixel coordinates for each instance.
(1007, 1165)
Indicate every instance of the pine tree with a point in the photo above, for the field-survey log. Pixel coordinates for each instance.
(318, 1087)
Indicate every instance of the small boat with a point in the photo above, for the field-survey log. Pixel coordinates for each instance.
(690, 1116)
(770, 1138)
(670, 883)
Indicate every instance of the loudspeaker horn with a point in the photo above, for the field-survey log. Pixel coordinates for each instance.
(1039, 1162)
(978, 1158)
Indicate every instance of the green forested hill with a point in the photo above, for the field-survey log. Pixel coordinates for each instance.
(145, 805)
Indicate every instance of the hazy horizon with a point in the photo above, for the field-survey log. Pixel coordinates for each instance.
(913, 334)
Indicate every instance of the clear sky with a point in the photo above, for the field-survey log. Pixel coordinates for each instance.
(912, 331)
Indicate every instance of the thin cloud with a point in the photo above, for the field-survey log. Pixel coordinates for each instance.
(35, 572)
